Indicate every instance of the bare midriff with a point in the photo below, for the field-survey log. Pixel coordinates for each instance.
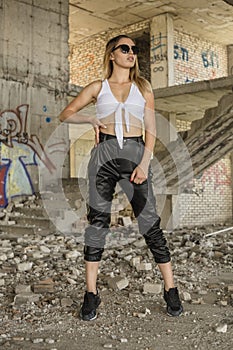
(135, 128)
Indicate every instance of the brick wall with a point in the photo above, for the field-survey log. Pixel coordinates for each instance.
(196, 59)
(208, 199)
(182, 125)
(86, 60)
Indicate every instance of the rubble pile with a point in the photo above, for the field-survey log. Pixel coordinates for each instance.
(42, 280)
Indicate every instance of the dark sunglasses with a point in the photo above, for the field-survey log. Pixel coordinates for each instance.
(126, 48)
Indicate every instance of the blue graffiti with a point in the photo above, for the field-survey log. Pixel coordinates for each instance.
(158, 48)
(210, 59)
(156, 42)
(180, 53)
(187, 80)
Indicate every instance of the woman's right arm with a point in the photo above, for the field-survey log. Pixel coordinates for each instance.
(71, 113)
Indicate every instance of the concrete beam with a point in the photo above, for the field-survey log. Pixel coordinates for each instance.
(192, 88)
(162, 50)
(189, 101)
(232, 179)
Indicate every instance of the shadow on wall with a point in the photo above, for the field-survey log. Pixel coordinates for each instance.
(230, 2)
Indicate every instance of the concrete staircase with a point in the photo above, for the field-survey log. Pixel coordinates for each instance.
(25, 217)
(208, 140)
(28, 216)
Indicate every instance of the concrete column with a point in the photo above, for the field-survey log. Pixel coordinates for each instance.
(162, 51)
(165, 127)
(166, 133)
(164, 208)
(230, 59)
(162, 75)
(172, 124)
(34, 75)
(232, 180)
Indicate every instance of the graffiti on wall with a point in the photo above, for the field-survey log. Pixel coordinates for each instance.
(186, 70)
(196, 59)
(216, 178)
(180, 53)
(218, 175)
(210, 59)
(188, 62)
(18, 151)
(45, 109)
(158, 52)
(188, 80)
(158, 48)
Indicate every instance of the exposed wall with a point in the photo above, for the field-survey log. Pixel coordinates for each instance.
(208, 199)
(86, 60)
(194, 59)
(182, 125)
(34, 73)
(230, 59)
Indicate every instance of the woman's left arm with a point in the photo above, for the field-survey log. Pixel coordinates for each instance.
(140, 173)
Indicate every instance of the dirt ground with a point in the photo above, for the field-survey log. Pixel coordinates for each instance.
(195, 329)
(128, 319)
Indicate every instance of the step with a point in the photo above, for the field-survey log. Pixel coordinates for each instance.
(18, 230)
(33, 221)
(8, 231)
(39, 212)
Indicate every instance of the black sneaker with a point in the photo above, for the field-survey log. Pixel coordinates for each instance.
(90, 304)
(174, 307)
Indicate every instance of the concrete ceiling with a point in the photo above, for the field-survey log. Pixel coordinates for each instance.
(212, 19)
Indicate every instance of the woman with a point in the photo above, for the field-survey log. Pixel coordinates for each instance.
(124, 103)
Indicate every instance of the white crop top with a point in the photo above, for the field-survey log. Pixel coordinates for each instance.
(107, 104)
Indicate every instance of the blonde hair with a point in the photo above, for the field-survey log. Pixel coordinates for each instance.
(134, 74)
